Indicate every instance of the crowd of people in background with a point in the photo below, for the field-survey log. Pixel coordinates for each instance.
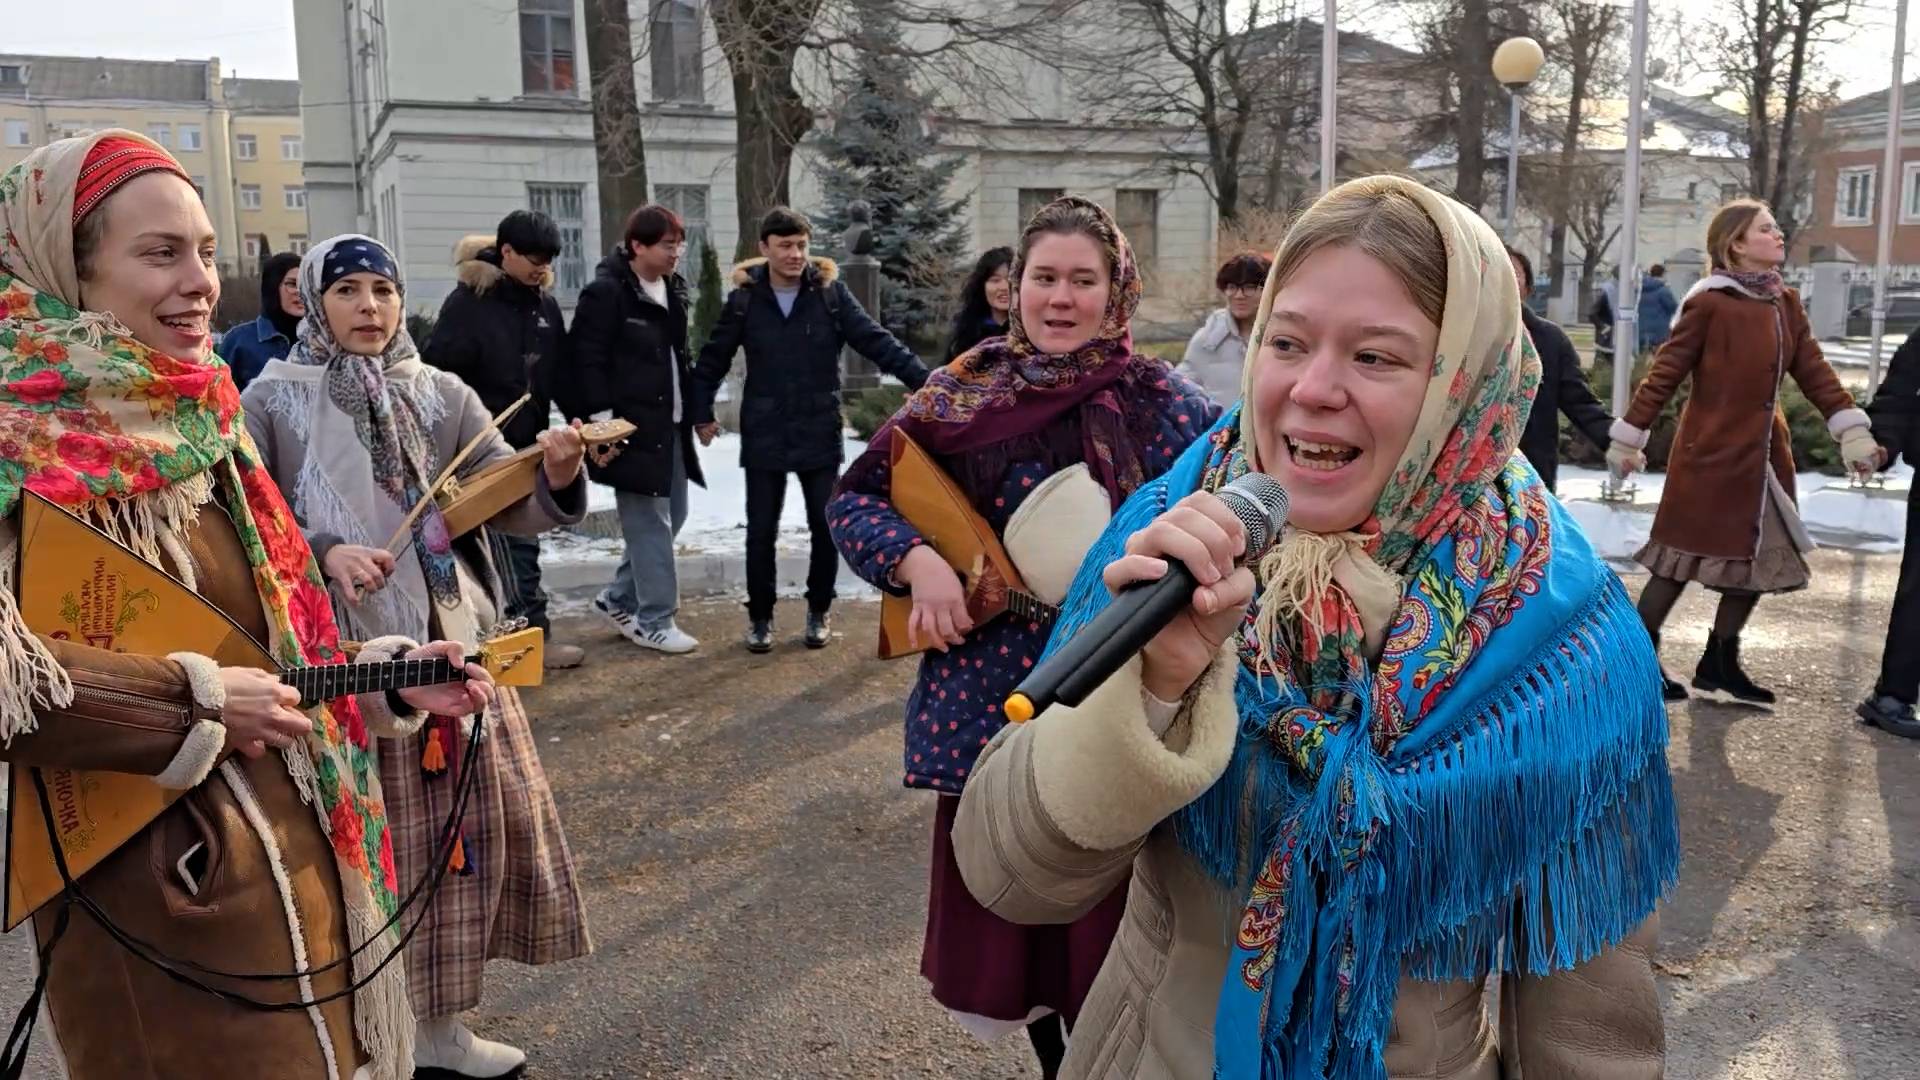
(1381, 364)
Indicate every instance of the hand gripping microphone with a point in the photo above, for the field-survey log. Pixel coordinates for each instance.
(1141, 610)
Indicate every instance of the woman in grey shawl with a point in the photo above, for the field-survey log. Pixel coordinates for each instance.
(354, 427)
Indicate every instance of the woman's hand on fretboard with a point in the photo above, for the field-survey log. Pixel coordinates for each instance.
(261, 712)
(470, 695)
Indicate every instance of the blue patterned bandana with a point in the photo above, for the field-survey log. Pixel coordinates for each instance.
(357, 255)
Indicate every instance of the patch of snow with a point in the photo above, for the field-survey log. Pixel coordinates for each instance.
(717, 513)
(1868, 519)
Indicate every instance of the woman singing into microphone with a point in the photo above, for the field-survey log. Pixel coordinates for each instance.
(1063, 390)
(1419, 744)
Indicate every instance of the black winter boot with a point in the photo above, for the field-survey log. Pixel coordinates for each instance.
(760, 636)
(819, 630)
(1670, 687)
(1720, 670)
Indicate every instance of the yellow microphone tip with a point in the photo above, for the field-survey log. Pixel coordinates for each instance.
(1019, 708)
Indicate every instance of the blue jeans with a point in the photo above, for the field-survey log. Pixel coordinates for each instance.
(646, 585)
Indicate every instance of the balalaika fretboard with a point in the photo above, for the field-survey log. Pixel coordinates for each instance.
(1031, 607)
(329, 681)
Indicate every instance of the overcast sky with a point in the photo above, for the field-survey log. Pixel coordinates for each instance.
(254, 38)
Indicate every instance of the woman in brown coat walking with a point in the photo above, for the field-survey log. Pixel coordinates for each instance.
(1727, 517)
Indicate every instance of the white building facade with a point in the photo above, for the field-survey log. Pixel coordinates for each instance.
(428, 120)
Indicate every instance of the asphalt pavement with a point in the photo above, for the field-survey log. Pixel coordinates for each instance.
(756, 875)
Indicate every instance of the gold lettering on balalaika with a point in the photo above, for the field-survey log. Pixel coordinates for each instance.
(68, 789)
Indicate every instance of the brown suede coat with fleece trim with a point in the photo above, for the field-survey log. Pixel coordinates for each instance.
(1738, 349)
(259, 891)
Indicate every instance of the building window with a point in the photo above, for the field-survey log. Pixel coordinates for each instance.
(297, 243)
(1729, 192)
(70, 128)
(13, 75)
(1031, 200)
(1853, 198)
(565, 204)
(1910, 193)
(1137, 213)
(678, 74)
(200, 186)
(290, 148)
(294, 197)
(246, 147)
(253, 246)
(189, 136)
(546, 46)
(161, 133)
(691, 202)
(18, 133)
(249, 196)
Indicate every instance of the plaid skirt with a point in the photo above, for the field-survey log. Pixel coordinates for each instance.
(510, 891)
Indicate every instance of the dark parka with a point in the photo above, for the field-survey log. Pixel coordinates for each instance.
(499, 337)
(1563, 388)
(790, 409)
(621, 358)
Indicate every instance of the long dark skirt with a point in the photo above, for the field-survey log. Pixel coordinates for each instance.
(983, 965)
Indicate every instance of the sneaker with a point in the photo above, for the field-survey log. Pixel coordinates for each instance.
(562, 657)
(621, 620)
(668, 639)
(1889, 714)
(819, 630)
(760, 636)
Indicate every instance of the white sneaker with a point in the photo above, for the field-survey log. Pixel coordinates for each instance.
(445, 1047)
(620, 619)
(668, 639)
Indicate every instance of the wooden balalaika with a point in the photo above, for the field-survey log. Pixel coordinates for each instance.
(467, 504)
(78, 584)
(929, 499)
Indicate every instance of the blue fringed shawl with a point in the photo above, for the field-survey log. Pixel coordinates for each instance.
(1527, 800)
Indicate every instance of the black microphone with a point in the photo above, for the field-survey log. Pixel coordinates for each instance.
(1142, 610)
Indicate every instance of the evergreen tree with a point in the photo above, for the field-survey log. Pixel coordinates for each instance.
(881, 152)
(706, 307)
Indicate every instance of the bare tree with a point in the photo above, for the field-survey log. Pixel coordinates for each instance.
(1592, 189)
(1194, 68)
(981, 52)
(1458, 39)
(761, 40)
(619, 148)
(1769, 54)
(1584, 33)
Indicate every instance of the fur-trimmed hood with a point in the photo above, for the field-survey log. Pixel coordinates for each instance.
(477, 265)
(826, 269)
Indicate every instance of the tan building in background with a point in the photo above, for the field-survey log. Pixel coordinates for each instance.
(239, 139)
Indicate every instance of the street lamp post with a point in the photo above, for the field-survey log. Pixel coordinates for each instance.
(1329, 91)
(1891, 192)
(1515, 63)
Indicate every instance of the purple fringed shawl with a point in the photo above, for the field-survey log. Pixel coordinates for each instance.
(1004, 401)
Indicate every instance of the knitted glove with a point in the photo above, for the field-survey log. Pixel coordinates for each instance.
(1858, 449)
(1623, 458)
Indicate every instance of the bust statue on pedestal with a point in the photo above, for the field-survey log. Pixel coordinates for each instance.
(858, 239)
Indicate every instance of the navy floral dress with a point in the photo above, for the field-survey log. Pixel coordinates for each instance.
(954, 708)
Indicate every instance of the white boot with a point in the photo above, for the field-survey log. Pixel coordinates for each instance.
(446, 1045)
